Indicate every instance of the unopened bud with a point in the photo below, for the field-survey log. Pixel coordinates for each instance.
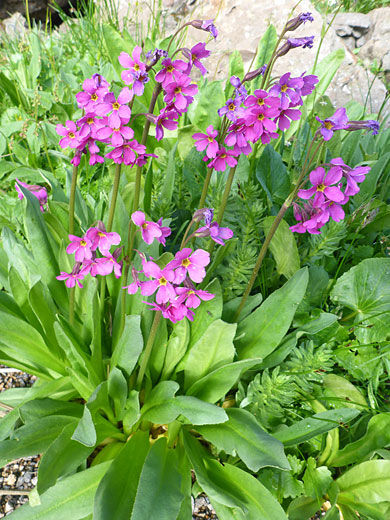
(296, 22)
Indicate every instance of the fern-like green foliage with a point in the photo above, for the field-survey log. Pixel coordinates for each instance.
(328, 241)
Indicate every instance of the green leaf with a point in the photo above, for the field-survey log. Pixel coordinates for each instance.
(207, 312)
(33, 438)
(117, 390)
(71, 497)
(203, 112)
(230, 486)
(367, 482)
(377, 436)
(230, 308)
(62, 457)
(312, 426)
(302, 508)
(370, 184)
(212, 350)
(117, 491)
(264, 51)
(262, 331)
(23, 341)
(217, 383)
(283, 247)
(115, 44)
(243, 435)
(169, 178)
(342, 393)
(176, 347)
(132, 411)
(366, 290)
(272, 175)
(159, 491)
(129, 346)
(85, 432)
(316, 480)
(236, 68)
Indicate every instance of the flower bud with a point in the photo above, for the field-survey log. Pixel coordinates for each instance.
(205, 25)
(296, 22)
(255, 73)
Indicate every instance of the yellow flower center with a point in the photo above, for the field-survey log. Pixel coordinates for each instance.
(328, 125)
(90, 120)
(170, 69)
(83, 243)
(223, 155)
(177, 90)
(210, 139)
(144, 225)
(186, 262)
(94, 97)
(116, 106)
(321, 187)
(101, 234)
(284, 88)
(162, 281)
(232, 106)
(260, 117)
(116, 129)
(260, 101)
(136, 66)
(191, 292)
(71, 135)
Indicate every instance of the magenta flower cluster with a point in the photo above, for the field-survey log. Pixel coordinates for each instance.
(253, 118)
(85, 249)
(330, 190)
(179, 91)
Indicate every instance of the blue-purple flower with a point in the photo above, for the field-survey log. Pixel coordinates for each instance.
(339, 121)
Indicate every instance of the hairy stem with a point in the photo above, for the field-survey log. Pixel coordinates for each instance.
(114, 196)
(148, 349)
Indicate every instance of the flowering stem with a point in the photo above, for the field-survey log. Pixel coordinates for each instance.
(286, 204)
(71, 304)
(176, 33)
(148, 349)
(114, 196)
(72, 197)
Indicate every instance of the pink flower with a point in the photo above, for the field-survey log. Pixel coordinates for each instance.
(354, 176)
(118, 134)
(134, 286)
(223, 157)
(149, 230)
(165, 232)
(192, 297)
(166, 119)
(133, 64)
(71, 279)
(215, 232)
(180, 93)
(322, 186)
(93, 92)
(195, 54)
(193, 263)
(69, 133)
(120, 111)
(207, 142)
(107, 264)
(89, 124)
(38, 191)
(102, 240)
(81, 247)
(162, 282)
(262, 98)
(283, 119)
(171, 71)
(126, 152)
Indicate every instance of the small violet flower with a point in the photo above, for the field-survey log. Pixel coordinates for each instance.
(339, 121)
(207, 142)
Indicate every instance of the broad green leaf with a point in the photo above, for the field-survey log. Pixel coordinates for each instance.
(212, 350)
(33, 438)
(231, 486)
(230, 308)
(367, 482)
(199, 412)
(159, 490)
(377, 436)
(370, 184)
(129, 346)
(302, 508)
(117, 390)
(312, 426)
(264, 51)
(85, 432)
(236, 68)
(272, 175)
(169, 178)
(365, 289)
(203, 112)
(283, 247)
(62, 458)
(243, 435)
(36, 408)
(176, 347)
(217, 383)
(132, 411)
(342, 393)
(262, 331)
(117, 491)
(207, 312)
(23, 341)
(71, 497)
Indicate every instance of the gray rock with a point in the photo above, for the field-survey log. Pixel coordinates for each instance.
(361, 41)
(37, 8)
(377, 46)
(359, 22)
